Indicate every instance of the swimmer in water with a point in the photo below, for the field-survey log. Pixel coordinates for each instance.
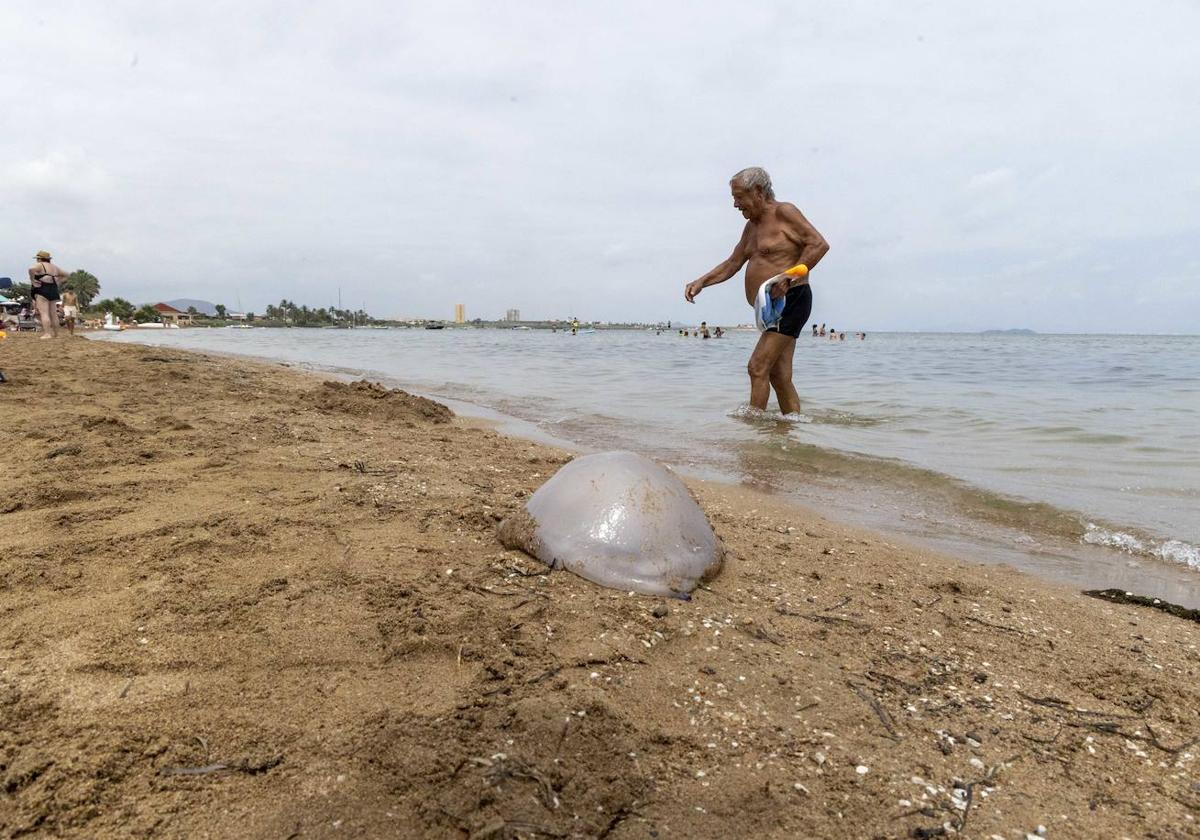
(776, 237)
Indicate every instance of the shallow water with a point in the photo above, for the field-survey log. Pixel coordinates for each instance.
(1077, 457)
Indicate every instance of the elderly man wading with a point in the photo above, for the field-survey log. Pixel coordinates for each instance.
(776, 238)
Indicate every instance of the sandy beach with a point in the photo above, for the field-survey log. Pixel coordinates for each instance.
(240, 601)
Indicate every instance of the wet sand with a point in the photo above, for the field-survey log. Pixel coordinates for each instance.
(238, 601)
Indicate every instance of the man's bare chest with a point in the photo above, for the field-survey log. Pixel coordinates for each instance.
(769, 241)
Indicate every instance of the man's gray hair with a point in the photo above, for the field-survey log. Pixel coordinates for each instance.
(755, 176)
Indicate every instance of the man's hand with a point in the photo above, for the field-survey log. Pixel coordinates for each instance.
(691, 290)
(780, 288)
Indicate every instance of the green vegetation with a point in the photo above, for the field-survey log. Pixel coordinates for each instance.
(289, 314)
(146, 314)
(19, 291)
(118, 306)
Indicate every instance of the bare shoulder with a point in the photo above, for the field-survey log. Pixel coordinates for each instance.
(795, 222)
(790, 212)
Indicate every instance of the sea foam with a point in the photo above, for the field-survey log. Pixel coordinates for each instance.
(1171, 551)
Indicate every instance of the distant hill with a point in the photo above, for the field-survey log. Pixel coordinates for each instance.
(202, 306)
(1009, 332)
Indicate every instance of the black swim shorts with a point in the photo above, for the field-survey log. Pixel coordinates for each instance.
(795, 311)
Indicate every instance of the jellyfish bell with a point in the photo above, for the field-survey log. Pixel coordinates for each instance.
(620, 520)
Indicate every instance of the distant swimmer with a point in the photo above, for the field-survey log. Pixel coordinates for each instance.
(776, 238)
(822, 330)
(814, 330)
(704, 329)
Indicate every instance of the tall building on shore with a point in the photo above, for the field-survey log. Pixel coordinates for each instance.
(460, 313)
(512, 315)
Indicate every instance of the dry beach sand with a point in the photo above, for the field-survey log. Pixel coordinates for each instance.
(236, 601)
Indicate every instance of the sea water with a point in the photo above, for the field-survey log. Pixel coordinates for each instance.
(1073, 456)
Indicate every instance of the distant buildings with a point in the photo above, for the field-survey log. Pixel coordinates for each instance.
(170, 315)
(512, 315)
(460, 313)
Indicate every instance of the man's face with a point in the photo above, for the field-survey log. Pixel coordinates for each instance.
(748, 201)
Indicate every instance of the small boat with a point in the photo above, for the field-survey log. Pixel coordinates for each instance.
(522, 328)
(435, 325)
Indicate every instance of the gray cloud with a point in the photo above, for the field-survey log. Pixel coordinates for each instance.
(972, 167)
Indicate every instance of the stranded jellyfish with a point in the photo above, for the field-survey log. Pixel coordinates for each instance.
(619, 520)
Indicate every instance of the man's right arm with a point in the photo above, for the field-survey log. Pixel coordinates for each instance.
(723, 271)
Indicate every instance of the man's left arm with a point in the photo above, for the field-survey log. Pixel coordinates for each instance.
(800, 230)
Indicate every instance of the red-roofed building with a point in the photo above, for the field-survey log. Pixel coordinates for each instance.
(170, 315)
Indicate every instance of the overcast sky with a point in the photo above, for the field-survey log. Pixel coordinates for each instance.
(1018, 164)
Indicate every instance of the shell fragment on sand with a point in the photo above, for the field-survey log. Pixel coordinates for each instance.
(620, 520)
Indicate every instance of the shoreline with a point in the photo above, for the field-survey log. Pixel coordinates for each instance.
(216, 563)
(1099, 556)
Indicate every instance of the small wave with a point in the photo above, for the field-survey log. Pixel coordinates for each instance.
(1171, 551)
(758, 415)
(844, 418)
(1036, 520)
(824, 417)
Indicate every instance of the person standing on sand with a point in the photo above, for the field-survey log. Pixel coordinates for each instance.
(44, 277)
(776, 237)
(70, 309)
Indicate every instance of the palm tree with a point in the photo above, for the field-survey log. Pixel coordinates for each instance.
(85, 286)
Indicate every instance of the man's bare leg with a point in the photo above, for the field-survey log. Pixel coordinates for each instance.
(771, 345)
(781, 381)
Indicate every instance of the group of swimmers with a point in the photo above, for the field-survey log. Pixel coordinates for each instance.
(704, 332)
(834, 335)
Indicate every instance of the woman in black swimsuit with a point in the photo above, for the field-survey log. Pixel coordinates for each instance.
(44, 279)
